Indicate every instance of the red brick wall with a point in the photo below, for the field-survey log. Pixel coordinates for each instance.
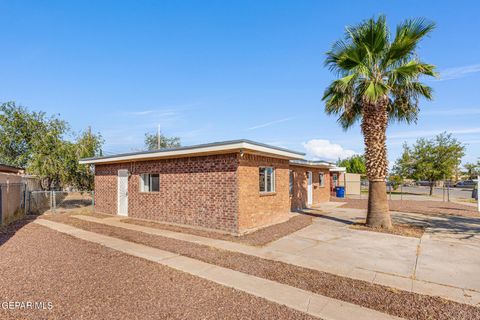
(217, 192)
(198, 191)
(300, 185)
(106, 187)
(256, 209)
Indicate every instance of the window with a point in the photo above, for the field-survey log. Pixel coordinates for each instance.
(335, 180)
(321, 179)
(267, 179)
(150, 182)
(291, 182)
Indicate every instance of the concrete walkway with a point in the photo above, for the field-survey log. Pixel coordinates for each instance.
(426, 266)
(308, 302)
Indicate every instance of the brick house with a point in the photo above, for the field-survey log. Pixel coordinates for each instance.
(232, 186)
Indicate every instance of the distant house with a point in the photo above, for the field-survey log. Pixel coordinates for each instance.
(234, 186)
(11, 169)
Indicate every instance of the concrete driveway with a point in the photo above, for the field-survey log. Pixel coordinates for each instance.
(444, 262)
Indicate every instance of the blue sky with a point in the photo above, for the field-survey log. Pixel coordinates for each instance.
(217, 70)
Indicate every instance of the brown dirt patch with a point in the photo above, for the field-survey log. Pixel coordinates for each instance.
(395, 302)
(436, 208)
(81, 211)
(258, 238)
(407, 230)
(88, 281)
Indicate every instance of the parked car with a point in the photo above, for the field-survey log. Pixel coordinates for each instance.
(466, 184)
(423, 183)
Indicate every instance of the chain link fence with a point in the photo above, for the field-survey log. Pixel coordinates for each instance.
(409, 190)
(39, 202)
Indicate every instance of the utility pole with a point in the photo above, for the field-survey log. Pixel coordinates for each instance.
(158, 137)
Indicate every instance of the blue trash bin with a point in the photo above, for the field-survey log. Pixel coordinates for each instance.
(340, 192)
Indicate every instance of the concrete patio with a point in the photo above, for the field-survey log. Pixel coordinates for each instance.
(444, 261)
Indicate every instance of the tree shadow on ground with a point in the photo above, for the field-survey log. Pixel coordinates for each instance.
(324, 216)
(462, 227)
(445, 224)
(7, 232)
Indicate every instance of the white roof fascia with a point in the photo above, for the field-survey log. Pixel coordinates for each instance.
(195, 151)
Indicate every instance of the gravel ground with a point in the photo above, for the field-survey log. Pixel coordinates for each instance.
(84, 280)
(258, 238)
(414, 206)
(396, 302)
(406, 230)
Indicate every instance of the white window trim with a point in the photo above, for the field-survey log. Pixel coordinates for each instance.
(265, 181)
(321, 182)
(142, 183)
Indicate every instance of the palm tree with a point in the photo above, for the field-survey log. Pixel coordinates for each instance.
(378, 82)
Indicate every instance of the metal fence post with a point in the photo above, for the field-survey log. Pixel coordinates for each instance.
(443, 190)
(52, 201)
(93, 201)
(448, 192)
(25, 199)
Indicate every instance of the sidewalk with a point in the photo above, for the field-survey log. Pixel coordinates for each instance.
(311, 246)
(301, 300)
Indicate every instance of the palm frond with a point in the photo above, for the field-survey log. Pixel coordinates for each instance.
(404, 107)
(411, 70)
(372, 69)
(372, 34)
(407, 37)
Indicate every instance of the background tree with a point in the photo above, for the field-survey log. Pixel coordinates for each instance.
(431, 159)
(472, 170)
(38, 143)
(47, 154)
(395, 181)
(378, 82)
(20, 129)
(354, 164)
(86, 145)
(151, 141)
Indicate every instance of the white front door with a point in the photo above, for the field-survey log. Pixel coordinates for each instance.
(122, 182)
(309, 189)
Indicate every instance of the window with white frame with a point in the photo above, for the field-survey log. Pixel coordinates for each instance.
(149, 182)
(267, 179)
(321, 179)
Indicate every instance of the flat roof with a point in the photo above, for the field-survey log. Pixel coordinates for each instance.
(9, 168)
(313, 164)
(200, 149)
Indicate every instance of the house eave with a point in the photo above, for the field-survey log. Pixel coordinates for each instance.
(200, 150)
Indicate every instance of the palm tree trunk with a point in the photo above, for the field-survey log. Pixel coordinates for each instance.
(374, 126)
